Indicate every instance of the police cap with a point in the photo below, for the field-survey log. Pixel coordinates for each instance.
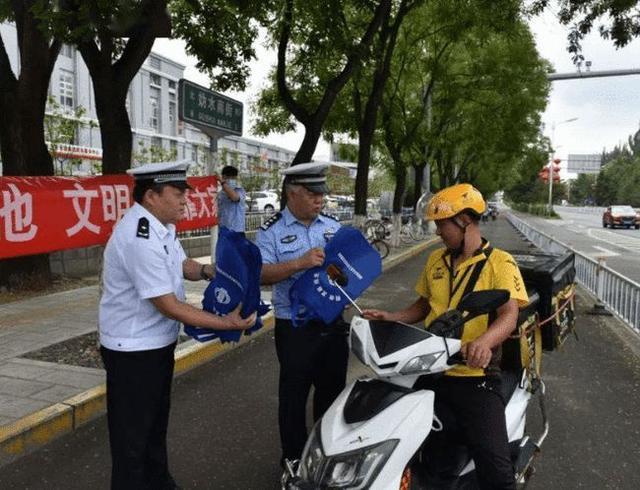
(311, 175)
(170, 173)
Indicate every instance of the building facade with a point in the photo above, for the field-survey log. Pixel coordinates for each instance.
(152, 104)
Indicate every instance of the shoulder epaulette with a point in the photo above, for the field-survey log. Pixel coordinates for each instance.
(271, 221)
(327, 215)
(143, 228)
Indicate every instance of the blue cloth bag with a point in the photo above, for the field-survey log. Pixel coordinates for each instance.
(237, 280)
(314, 296)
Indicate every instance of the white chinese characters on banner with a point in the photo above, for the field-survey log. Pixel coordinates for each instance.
(17, 211)
(83, 214)
(206, 199)
(115, 201)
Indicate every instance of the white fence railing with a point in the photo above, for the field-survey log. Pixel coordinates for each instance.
(619, 294)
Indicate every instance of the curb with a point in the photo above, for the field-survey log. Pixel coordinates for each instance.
(41, 427)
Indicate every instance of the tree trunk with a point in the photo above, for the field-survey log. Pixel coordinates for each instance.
(418, 177)
(22, 146)
(115, 128)
(308, 147)
(398, 197)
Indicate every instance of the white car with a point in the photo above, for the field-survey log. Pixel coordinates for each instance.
(263, 201)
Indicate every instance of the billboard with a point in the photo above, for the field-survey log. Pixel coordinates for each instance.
(584, 164)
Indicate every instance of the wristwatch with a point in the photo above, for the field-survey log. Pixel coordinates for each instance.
(203, 274)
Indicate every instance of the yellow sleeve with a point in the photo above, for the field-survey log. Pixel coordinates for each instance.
(508, 277)
(422, 286)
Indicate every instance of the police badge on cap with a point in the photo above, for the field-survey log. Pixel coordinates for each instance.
(171, 173)
(311, 175)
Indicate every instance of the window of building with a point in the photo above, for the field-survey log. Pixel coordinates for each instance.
(156, 142)
(172, 113)
(154, 107)
(154, 79)
(66, 87)
(172, 85)
(154, 62)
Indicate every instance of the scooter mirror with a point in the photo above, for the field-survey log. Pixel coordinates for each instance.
(480, 302)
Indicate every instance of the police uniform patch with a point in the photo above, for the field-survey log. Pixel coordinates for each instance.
(328, 235)
(326, 215)
(271, 221)
(143, 228)
(289, 239)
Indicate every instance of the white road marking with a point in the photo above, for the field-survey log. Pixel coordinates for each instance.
(605, 252)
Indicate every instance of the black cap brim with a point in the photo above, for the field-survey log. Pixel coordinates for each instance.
(179, 184)
(318, 188)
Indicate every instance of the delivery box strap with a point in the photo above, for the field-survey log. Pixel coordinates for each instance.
(566, 303)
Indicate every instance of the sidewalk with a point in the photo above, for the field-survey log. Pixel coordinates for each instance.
(39, 400)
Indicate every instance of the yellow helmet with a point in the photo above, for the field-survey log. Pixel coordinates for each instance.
(453, 200)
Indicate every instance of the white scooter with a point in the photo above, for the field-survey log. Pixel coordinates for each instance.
(375, 433)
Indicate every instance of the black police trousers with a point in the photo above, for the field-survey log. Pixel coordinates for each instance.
(311, 354)
(478, 411)
(138, 403)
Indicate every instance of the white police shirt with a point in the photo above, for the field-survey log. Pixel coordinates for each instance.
(142, 260)
(283, 238)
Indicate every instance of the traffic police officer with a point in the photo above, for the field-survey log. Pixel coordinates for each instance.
(231, 200)
(291, 242)
(140, 311)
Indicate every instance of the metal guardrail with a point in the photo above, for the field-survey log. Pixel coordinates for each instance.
(583, 209)
(619, 294)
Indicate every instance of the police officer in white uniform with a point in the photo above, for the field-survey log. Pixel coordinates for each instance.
(291, 242)
(140, 311)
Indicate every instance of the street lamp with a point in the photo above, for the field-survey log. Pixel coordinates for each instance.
(552, 159)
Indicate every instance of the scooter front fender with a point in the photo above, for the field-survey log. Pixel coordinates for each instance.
(408, 420)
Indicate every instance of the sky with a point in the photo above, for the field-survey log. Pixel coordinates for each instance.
(607, 109)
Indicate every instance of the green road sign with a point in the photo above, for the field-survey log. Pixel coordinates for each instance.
(203, 107)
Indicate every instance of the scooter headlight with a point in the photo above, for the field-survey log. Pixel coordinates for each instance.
(354, 469)
(421, 363)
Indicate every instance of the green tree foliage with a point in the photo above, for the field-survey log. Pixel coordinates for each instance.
(319, 48)
(153, 153)
(523, 185)
(583, 189)
(487, 107)
(221, 35)
(619, 178)
(114, 39)
(619, 20)
(61, 128)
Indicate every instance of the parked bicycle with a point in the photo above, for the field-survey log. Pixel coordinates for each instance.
(413, 230)
(376, 231)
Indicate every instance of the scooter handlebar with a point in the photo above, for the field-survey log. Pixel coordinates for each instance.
(456, 359)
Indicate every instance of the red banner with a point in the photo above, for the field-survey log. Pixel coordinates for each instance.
(45, 214)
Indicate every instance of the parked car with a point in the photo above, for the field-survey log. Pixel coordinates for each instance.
(262, 201)
(621, 216)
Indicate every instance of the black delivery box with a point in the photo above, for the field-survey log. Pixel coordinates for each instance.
(553, 277)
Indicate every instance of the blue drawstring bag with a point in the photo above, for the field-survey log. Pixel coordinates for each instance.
(348, 255)
(237, 280)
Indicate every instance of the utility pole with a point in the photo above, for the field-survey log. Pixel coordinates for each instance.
(553, 158)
